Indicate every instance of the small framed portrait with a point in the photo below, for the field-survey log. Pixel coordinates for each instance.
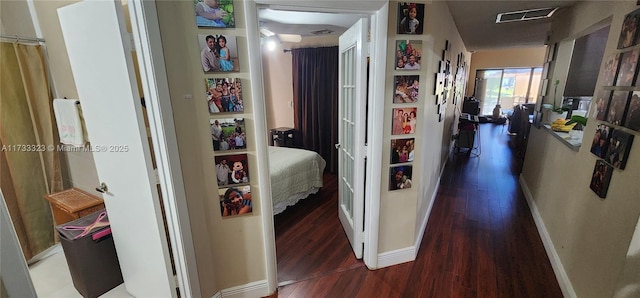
(602, 102)
(615, 111)
(215, 13)
(600, 142)
(400, 177)
(619, 146)
(224, 95)
(402, 150)
(632, 119)
(627, 71)
(628, 34)
(232, 169)
(551, 52)
(601, 178)
(228, 134)
(611, 69)
(218, 53)
(235, 201)
(404, 121)
(410, 18)
(408, 54)
(407, 89)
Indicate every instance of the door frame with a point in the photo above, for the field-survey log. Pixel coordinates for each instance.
(378, 51)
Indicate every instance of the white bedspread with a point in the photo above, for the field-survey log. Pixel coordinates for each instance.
(295, 174)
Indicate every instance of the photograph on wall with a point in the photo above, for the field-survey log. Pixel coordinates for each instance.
(619, 146)
(628, 32)
(601, 178)
(235, 201)
(407, 89)
(602, 102)
(410, 18)
(228, 134)
(632, 119)
(224, 95)
(232, 169)
(408, 54)
(402, 150)
(214, 13)
(600, 142)
(404, 121)
(611, 69)
(218, 53)
(627, 71)
(400, 177)
(615, 111)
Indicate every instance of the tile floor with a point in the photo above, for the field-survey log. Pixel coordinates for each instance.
(51, 278)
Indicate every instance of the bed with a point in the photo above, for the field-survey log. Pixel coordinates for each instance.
(295, 174)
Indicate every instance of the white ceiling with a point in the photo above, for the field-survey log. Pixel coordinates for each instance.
(475, 19)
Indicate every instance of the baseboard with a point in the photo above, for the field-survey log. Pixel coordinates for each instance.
(250, 290)
(396, 257)
(556, 263)
(423, 226)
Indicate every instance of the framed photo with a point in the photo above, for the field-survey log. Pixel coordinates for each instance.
(235, 201)
(404, 121)
(627, 71)
(407, 89)
(232, 169)
(602, 102)
(601, 178)
(218, 53)
(632, 119)
(615, 111)
(545, 70)
(228, 134)
(214, 13)
(628, 34)
(402, 150)
(224, 95)
(611, 69)
(551, 52)
(408, 54)
(410, 18)
(400, 177)
(545, 87)
(619, 146)
(600, 142)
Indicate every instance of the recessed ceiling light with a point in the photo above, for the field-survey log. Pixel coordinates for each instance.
(525, 15)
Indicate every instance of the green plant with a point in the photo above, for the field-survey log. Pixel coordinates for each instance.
(580, 120)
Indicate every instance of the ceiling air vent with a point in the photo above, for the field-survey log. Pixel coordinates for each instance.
(321, 32)
(525, 15)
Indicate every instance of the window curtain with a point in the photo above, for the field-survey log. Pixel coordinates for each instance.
(315, 101)
(27, 174)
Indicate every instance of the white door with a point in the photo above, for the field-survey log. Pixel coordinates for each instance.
(100, 54)
(352, 119)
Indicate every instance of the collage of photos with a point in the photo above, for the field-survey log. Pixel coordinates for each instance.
(400, 177)
(404, 121)
(601, 178)
(408, 54)
(224, 95)
(228, 134)
(402, 150)
(410, 18)
(214, 13)
(218, 53)
(232, 169)
(235, 201)
(407, 89)
(629, 34)
(600, 142)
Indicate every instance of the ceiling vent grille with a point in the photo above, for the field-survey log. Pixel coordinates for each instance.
(525, 15)
(322, 32)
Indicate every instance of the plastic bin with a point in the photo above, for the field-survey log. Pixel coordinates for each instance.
(92, 259)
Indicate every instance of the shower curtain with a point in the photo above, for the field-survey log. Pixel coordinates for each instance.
(29, 167)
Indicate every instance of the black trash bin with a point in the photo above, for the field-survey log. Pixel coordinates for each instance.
(91, 255)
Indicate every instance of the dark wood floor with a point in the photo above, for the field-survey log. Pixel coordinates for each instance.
(481, 240)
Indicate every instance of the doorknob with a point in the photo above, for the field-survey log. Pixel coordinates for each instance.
(338, 146)
(102, 188)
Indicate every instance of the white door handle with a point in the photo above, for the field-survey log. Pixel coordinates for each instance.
(338, 146)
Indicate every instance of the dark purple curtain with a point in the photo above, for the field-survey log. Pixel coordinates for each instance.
(315, 101)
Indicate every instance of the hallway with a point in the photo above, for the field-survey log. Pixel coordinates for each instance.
(481, 240)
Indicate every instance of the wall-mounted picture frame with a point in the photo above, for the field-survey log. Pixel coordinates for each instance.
(545, 87)
(619, 146)
(551, 52)
(628, 33)
(232, 169)
(228, 134)
(632, 116)
(218, 53)
(602, 102)
(600, 142)
(408, 54)
(610, 70)
(615, 111)
(404, 121)
(600, 178)
(410, 18)
(215, 13)
(235, 201)
(400, 177)
(627, 71)
(224, 95)
(407, 89)
(402, 150)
